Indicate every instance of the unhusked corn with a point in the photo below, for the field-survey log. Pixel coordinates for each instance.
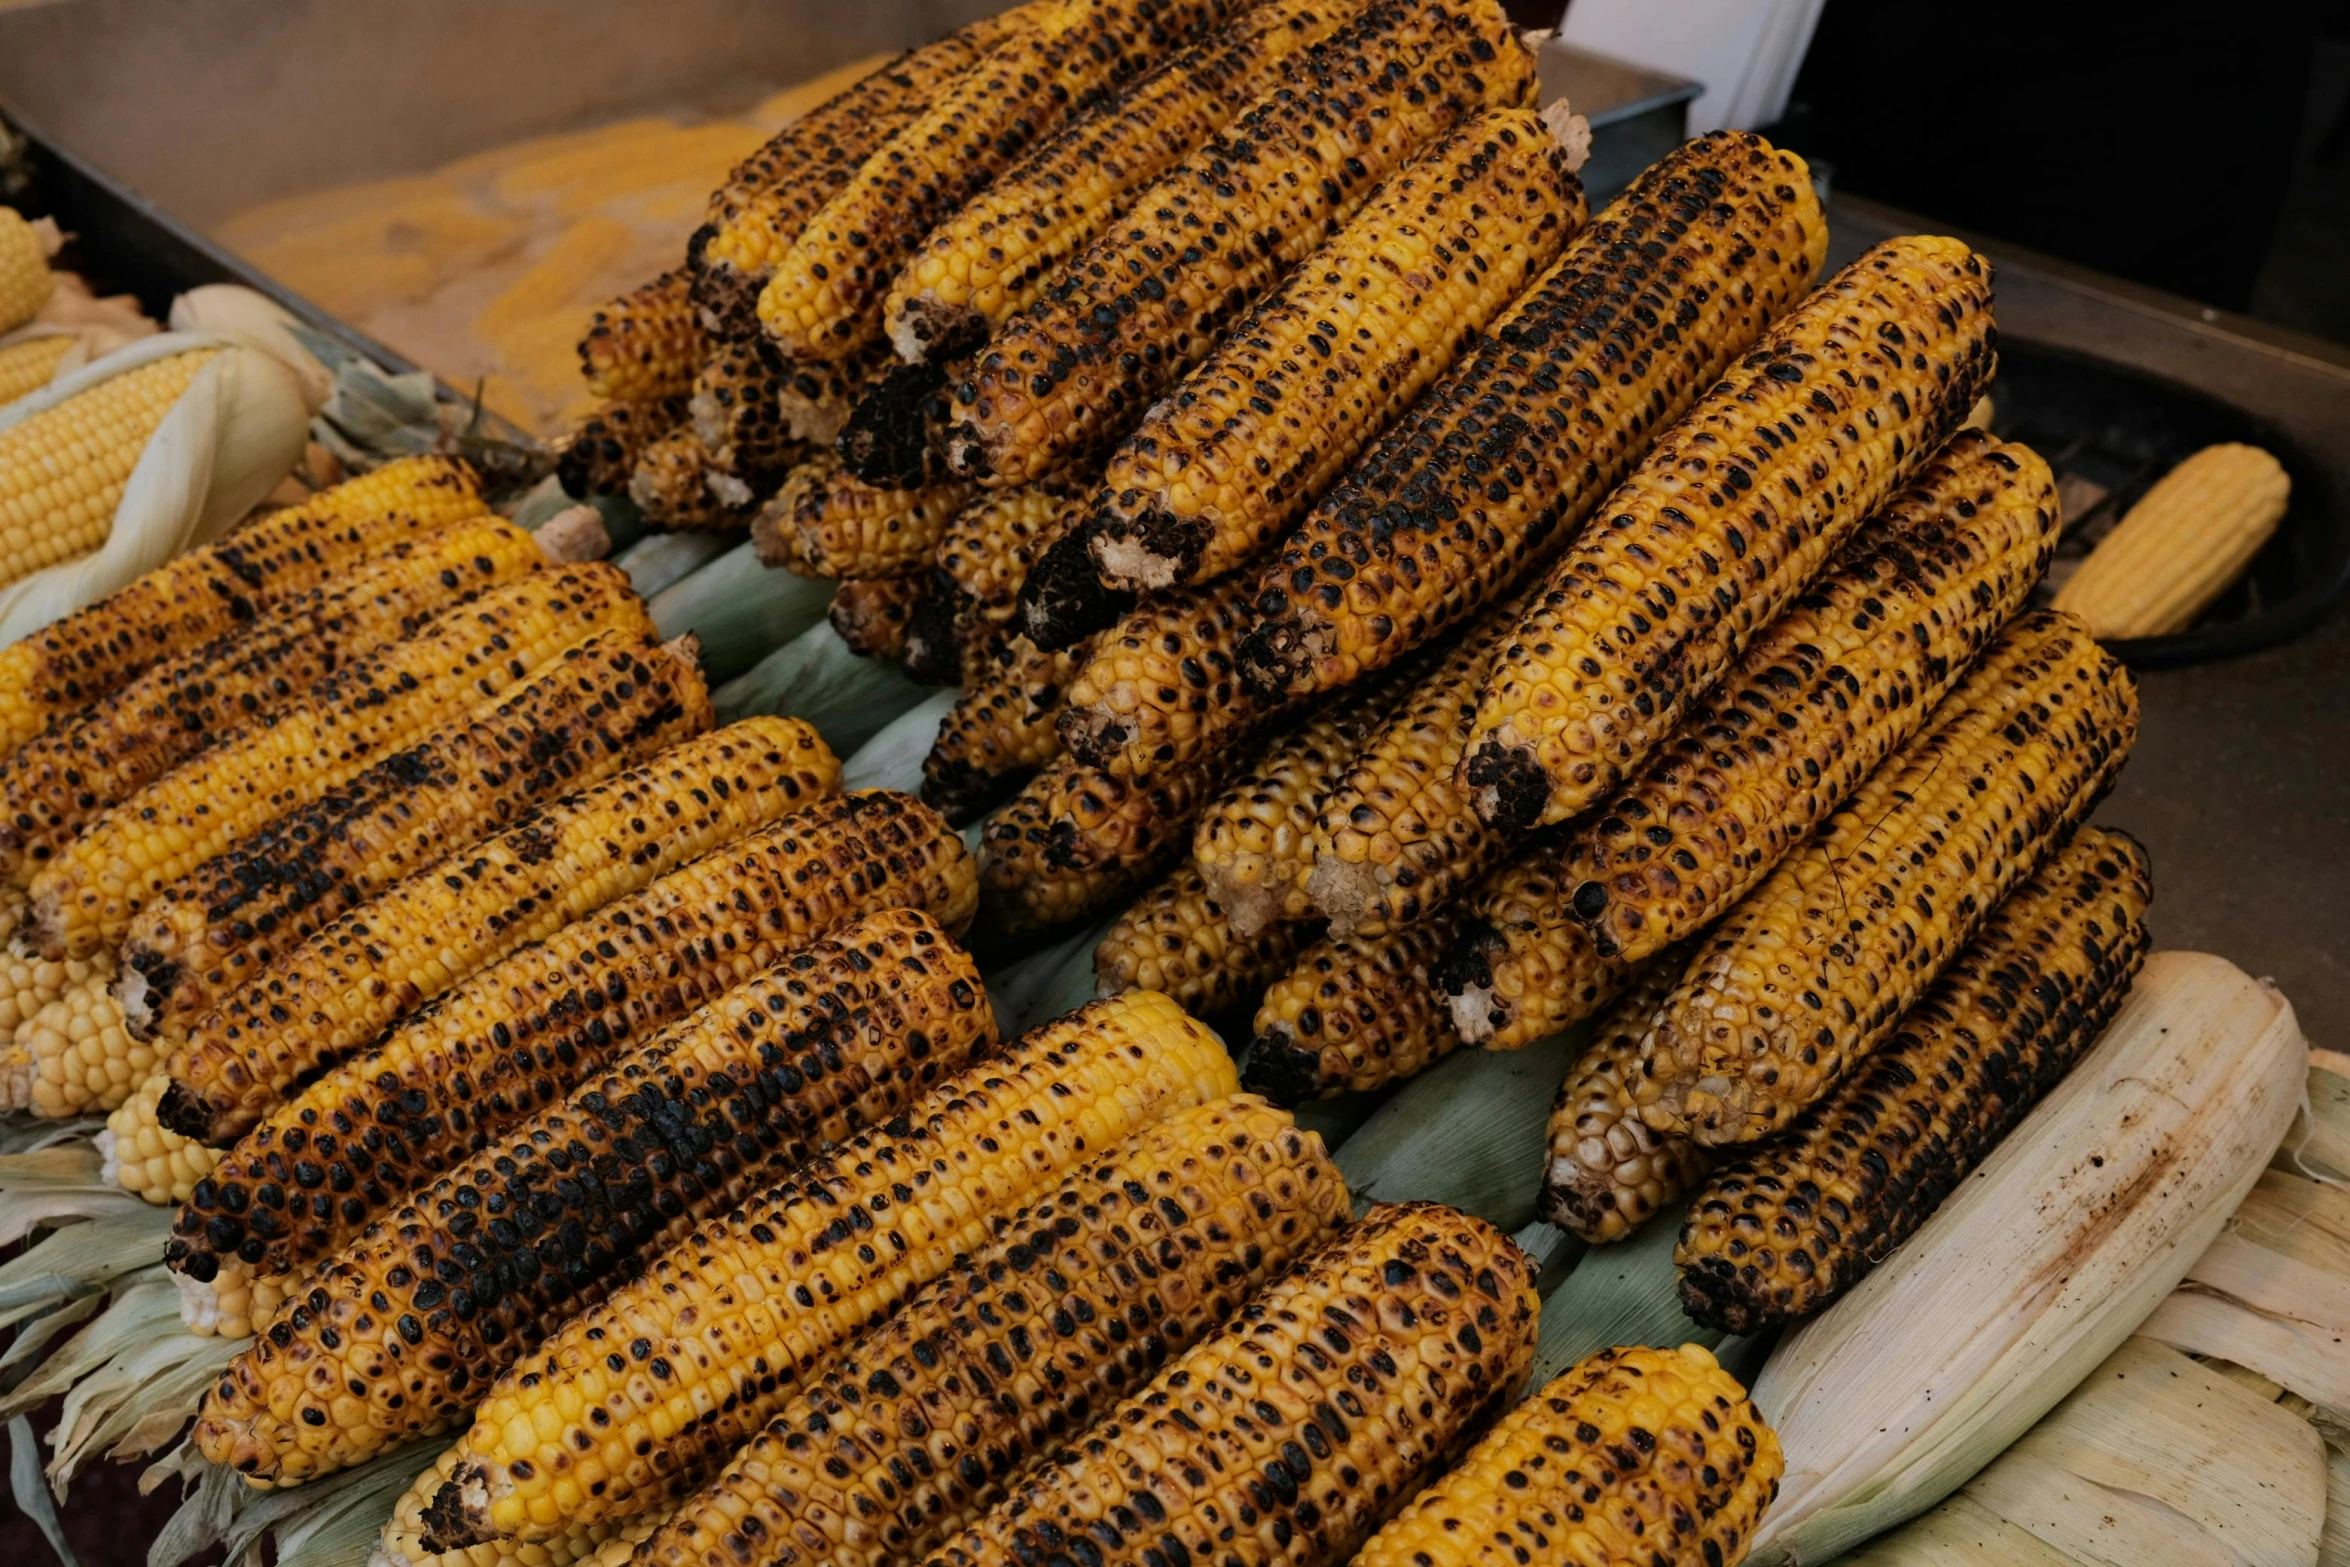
(643, 346)
(1287, 1438)
(2182, 545)
(1002, 728)
(145, 1160)
(1607, 1172)
(928, 1420)
(743, 1310)
(1353, 1012)
(1177, 939)
(1726, 520)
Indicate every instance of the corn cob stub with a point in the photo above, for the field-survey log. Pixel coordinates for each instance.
(1177, 939)
(2182, 545)
(1811, 970)
(86, 896)
(1726, 520)
(1499, 463)
(925, 1422)
(1608, 1173)
(341, 989)
(1326, 1402)
(602, 451)
(1353, 1012)
(1001, 730)
(1782, 1232)
(108, 750)
(479, 1267)
(610, 703)
(1232, 457)
(190, 600)
(1636, 1454)
(1143, 304)
(516, 1036)
(720, 1331)
(643, 346)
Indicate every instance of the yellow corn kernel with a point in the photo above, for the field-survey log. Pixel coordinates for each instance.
(1608, 1173)
(32, 364)
(147, 1161)
(2182, 545)
(25, 278)
(1177, 939)
(645, 345)
(1353, 1012)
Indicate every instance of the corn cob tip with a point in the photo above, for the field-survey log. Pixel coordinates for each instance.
(576, 533)
(1284, 1070)
(1148, 549)
(1463, 976)
(926, 329)
(187, 1113)
(1507, 785)
(459, 1513)
(890, 438)
(1063, 601)
(1280, 656)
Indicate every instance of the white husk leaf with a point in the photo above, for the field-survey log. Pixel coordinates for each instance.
(2333, 1547)
(2318, 1146)
(2060, 1246)
(814, 676)
(741, 608)
(80, 1259)
(2154, 1458)
(892, 759)
(246, 316)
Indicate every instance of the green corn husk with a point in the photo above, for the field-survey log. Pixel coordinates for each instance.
(892, 759)
(660, 559)
(741, 610)
(815, 677)
(1047, 983)
(1626, 1294)
(33, 1500)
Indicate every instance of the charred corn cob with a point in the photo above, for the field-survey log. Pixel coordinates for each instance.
(147, 1161)
(602, 454)
(1512, 976)
(825, 298)
(101, 755)
(1636, 1454)
(1178, 940)
(1228, 461)
(992, 542)
(85, 897)
(842, 1036)
(1607, 1173)
(610, 703)
(984, 264)
(769, 197)
(189, 601)
(818, 396)
(1784, 1231)
(671, 484)
(1810, 972)
(2183, 545)
(1100, 820)
(339, 990)
(1393, 837)
(32, 364)
(1499, 463)
(1290, 1435)
(63, 470)
(1160, 689)
(1026, 888)
(77, 1055)
(1001, 730)
(936, 651)
(643, 346)
(650, 1392)
(401, 1543)
(518, 1034)
(928, 1420)
(1353, 1012)
(841, 526)
(1061, 594)
(871, 613)
(1724, 522)
(25, 278)
(737, 409)
(895, 434)
(1146, 301)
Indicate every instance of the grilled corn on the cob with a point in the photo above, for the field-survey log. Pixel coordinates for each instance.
(1812, 970)
(1290, 1436)
(1160, 690)
(645, 345)
(1177, 939)
(1499, 463)
(77, 1054)
(672, 484)
(2182, 545)
(924, 1423)
(873, 614)
(1146, 301)
(602, 452)
(1353, 1012)
(737, 409)
(1002, 728)
(1230, 459)
(1255, 840)
(1726, 520)
(1608, 1172)
(144, 1159)
(840, 526)
(650, 1392)
(1030, 889)
(1784, 1231)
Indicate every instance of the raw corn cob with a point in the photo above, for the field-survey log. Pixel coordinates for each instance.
(872, 614)
(2184, 544)
(63, 470)
(1002, 728)
(1393, 837)
(1229, 460)
(517, 1035)
(601, 454)
(77, 1056)
(107, 751)
(1607, 1173)
(1146, 301)
(825, 297)
(840, 526)
(672, 484)
(1353, 1012)
(1636, 1454)
(1726, 520)
(818, 396)
(768, 198)
(32, 364)
(85, 896)
(1161, 690)
(1781, 1233)
(981, 266)
(1813, 968)
(344, 986)
(1287, 1438)
(205, 592)
(741, 1311)
(926, 1422)
(142, 1158)
(1499, 463)
(25, 278)
(645, 345)
(841, 1037)
(1026, 888)
(737, 409)
(1177, 939)
(613, 702)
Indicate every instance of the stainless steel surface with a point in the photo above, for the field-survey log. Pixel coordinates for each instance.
(1637, 115)
(2240, 786)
